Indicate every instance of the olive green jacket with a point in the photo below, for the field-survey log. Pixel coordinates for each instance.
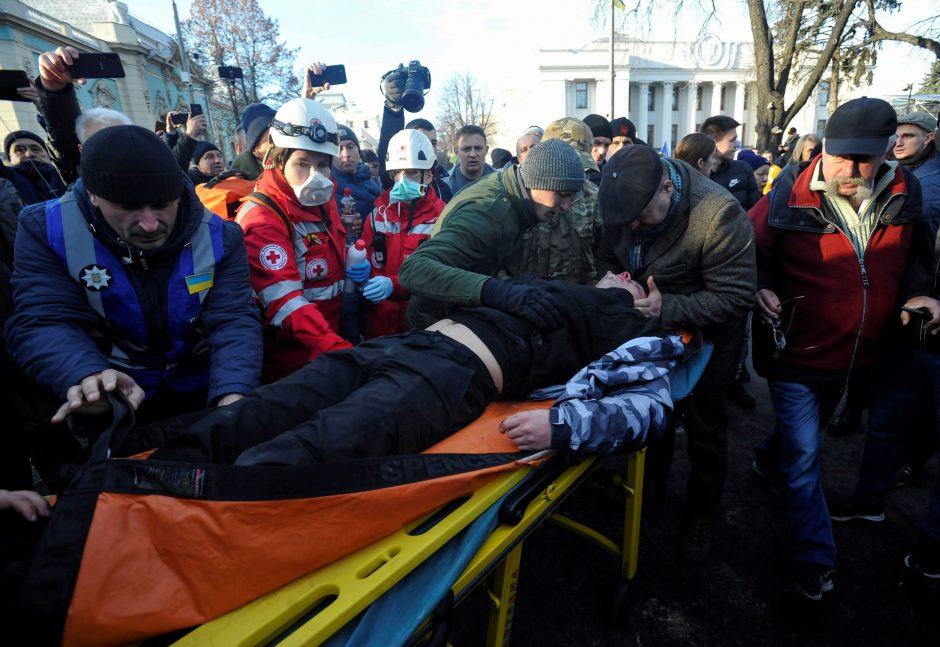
(704, 262)
(477, 234)
(563, 248)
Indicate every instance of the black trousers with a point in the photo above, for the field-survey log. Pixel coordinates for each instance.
(391, 395)
(706, 424)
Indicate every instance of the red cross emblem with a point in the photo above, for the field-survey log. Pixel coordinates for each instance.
(317, 269)
(273, 256)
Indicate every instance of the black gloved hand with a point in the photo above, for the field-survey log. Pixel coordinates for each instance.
(393, 86)
(536, 306)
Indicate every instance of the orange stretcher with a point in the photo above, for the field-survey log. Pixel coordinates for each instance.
(312, 608)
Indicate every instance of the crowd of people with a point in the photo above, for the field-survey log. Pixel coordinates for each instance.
(336, 302)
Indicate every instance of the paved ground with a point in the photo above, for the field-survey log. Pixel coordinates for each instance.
(566, 584)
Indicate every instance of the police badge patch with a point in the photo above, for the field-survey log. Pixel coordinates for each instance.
(95, 278)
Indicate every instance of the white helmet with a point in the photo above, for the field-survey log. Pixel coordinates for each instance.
(409, 149)
(305, 124)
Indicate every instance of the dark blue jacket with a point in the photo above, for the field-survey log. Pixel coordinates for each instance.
(738, 178)
(58, 337)
(364, 189)
(928, 174)
(35, 181)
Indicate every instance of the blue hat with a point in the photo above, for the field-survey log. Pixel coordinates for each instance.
(752, 158)
(255, 119)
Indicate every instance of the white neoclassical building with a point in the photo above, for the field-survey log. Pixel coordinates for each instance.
(666, 88)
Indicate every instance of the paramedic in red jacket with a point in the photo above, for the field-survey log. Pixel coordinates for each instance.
(840, 246)
(296, 251)
(402, 219)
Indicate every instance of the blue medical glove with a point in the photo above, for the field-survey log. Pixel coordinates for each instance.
(359, 272)
(377, 289)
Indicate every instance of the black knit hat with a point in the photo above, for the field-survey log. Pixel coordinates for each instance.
(553, 166)
(20, 134)
(599, 126)
(630, 180)
(201, 149)
(130, 164)
(623, 127)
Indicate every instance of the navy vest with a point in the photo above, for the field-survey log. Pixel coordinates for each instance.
(110, 292)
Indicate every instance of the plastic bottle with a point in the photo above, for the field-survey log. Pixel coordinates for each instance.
(355, 254)
(349, 215)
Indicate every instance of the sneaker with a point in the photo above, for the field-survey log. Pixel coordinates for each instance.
(698, 537)
(925, 560)
(906, 476)
(741, 397)
(766, 477)
(809, 581)
(852, 507)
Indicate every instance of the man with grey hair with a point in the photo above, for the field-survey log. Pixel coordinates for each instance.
(91, 121)
(59, 103)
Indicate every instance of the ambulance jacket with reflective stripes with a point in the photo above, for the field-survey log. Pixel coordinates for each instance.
(297, 275)
(86, 301)
(398, 228)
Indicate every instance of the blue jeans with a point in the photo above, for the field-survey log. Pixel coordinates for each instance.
(901, 376)
(801, 411)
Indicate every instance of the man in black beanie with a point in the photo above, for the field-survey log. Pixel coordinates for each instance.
(602, 135)
(127, 283)
(30, 170)
(693, 246)
(208, 162)
(482, 230)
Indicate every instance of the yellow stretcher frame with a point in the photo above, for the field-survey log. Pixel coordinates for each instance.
(312, 608)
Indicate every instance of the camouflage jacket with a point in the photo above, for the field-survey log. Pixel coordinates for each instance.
(562, 248)
(621, 401)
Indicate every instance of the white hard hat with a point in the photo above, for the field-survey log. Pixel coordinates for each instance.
(305, 124)
(409, 149)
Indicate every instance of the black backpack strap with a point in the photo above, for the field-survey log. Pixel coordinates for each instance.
(259, 198)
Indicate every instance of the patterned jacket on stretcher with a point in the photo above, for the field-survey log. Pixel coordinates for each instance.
(297, 275)
(619, 402)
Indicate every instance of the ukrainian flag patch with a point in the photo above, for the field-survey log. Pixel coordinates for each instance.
(199, 282)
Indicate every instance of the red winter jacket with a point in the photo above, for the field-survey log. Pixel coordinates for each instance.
(297, 275)
(835, 306)
(403, 226)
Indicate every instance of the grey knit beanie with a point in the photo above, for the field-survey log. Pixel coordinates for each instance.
(553, 166)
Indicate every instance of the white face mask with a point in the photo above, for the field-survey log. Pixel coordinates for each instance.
(316, 190)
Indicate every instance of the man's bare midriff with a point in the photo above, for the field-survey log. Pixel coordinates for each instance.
(463, 335)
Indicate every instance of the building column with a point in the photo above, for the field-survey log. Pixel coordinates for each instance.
(622, 88)
(690, 104)
(716, 98)
(641, 119)
(665, 118)
(738, 113)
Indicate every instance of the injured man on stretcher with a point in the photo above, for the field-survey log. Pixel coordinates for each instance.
(403, 393)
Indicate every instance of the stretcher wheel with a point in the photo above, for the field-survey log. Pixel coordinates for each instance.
(620, 603)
